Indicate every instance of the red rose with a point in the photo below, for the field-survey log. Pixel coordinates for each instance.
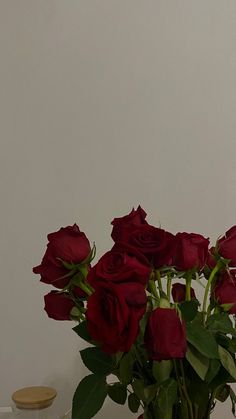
(119, 266)
(123, 225)
(58, 305)
(179, 292)
(165, 336)
(191, 251)
(68, 244)
(113, 314)
(140, 417)
(224, 291)
(154, 243)
(227, 246)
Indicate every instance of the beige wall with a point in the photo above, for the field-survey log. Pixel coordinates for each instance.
(103, 105)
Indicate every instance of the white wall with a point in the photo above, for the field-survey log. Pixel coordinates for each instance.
(103, 105)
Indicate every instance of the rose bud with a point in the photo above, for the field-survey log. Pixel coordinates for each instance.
(58, 305)
(191, 251)
(165, 335)
(113, 314)
(224, 291)
(69, 245)
(226, 246)
(179, 293)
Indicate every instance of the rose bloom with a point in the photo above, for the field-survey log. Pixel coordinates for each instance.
(178, 292)
(191, 251)
(113, 314)
(154, 243)
(138, 237)
(58, 305)
(68, 244)
(227, 246)
(123, 225)
(224, 291)
(119, 266)
(165, 335)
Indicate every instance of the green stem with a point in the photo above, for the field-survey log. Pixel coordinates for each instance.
(158, 277)
(169, 279)
(153, 289)
(211, 400)
(207, 289)
(188, 286)
(178, 380)
(85, 288)
(185, 391)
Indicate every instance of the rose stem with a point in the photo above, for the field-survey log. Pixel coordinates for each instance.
(169, 279)
(214, 271)
(158, 277)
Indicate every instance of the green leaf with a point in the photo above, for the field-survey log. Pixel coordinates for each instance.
(89, 396)
(227, 361)
(189, 309)
(222, 377)
(150, 392)
(222, 393)
(202, 340)
(82, 331)
(222, 340)
(97, 361)
(232, 345)
(126, 368)
(118, 393)
(220, 323)
(233, 400)
(133, 402)
(138, 388)
(198, 361)
(161, 370)
(167, 396)
(213, 370)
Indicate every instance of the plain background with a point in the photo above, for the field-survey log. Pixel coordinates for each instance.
(104, 105)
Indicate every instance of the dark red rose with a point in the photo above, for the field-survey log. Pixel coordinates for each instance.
(191, 251)
(119, 266)
(68, 244)
(179, 292)
(165, 336)
(226, 246)
(113, 314)
(58, 305)
(123, 225)
(140, 417)
(224, 291)
(155, 244)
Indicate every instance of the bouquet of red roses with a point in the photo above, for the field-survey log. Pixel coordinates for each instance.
(170, 356)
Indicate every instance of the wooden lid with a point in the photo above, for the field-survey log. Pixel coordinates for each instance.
(34, 397)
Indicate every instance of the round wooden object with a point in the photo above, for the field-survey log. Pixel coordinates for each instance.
(34, 397)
